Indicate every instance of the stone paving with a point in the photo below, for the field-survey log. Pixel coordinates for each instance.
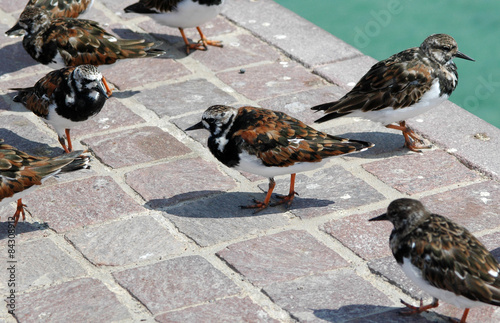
(154, 232)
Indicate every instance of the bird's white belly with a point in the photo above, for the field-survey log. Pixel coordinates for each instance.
(189, 14)
(449, 297)
(59, 123)
(252, 164)
(389, 115)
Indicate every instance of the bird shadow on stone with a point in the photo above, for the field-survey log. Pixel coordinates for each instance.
(358, 313)
(14, 58)
(29, 146)
(219, 204)
(496, 253)
(125, 94)
(7, 230)
(386, 144)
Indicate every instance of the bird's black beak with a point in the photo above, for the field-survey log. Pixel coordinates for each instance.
(197, 126)
(462, 55)
(382, 217)
(16, 30)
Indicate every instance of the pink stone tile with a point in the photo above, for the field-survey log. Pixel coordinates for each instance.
(280, 257)
(135, 146)
(416, 173)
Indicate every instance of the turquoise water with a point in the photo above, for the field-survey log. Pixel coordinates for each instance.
(384, 27)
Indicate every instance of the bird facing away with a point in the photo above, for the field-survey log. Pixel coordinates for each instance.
(401, 87)
(65, 98)
(441, 257)
(182, 14)
(269, 143)
(64, 42)
(20, 173)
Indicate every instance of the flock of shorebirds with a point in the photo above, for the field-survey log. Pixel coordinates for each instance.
(440, 256)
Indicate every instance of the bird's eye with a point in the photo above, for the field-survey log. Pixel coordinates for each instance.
(446, 48)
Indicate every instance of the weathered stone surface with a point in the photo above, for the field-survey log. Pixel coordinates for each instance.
(126, 242)
(317, 298)
(226, 310)
(180, 98)
(416, 173)
(220, 218)
(280, 78)
(348, 72)
(136, 146)
(176, 283)
(280, 257)
(79, 203)
(88, 299)
(367, 239)
(180, 180)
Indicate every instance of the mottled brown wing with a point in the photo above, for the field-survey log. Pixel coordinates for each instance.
(458, 254)
(38, 98)
(62, 8)
(398, 82)
(82, 41)
(280, 140)
(160, 5)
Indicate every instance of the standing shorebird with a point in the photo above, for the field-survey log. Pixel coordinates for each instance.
(182, 14)
(403, 86)
(270, 143)
(442, 258)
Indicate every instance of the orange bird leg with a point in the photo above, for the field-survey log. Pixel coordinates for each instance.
(421, 308)
(108, 90)
(19, 211)
(70, 146)
(410, 137)
(262, 205)
(63, 144)
(288, 198)
(190, 46)
(206, 42)
(464, 316)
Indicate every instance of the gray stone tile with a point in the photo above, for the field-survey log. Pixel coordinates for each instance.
(176, 283)
(281, 257)
(226, 310)
(317, 298)
(311, 48)
(136, 146)
(220, 218)
(348, 72)
(170, 183)
(88, 299)
(126, 242)
(416, 173)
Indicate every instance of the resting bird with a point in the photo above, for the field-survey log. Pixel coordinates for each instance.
(20, 173)
(403, 86)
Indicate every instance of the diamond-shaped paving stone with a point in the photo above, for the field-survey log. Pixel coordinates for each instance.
(238, 50)
(180, 98)
(477, 206)
(367, 239)
(136, 146)
(80, 203)
(269, 80)
(220, 218)
(416, 173)
(180, 180)
(125, 242)
(327, 190)
(138, 72)
(82, 300)
(113, 115)
(348, 72)
(298, 105)
(332, 297)
(176, 283)
(280, 257)
(40, 263)
(226, 310)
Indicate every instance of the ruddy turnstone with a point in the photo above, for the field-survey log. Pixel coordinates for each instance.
(269, 143)
(66, 97)
(64, 42)
(403, 86)
(20, 173)
(443, 258)
(182, 14)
